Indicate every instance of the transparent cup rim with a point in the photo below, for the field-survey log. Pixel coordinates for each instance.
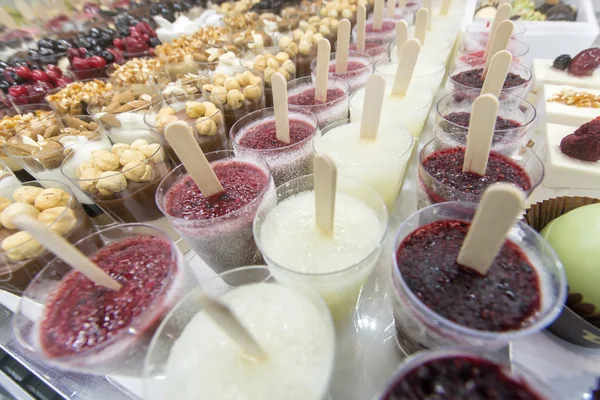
(475, 93)
(448, 137)
(515, 68)
(385, 217)
(249, 119)
(365, 58)
(239, 53)
(381, 63)
(262, 164)
(515, 47)
(375, 163)
(167, 103)
(306, 82)
(116, 90)
(541, 320)
(426, 104)
(175, 258)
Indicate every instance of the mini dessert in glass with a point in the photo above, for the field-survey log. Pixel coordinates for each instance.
(238, 95)
(224, 60)
(143, 71)
(478, 34)
(67, 321)
(442, 179)
(435, 52)
(255, 133)
(459, 373)
(190, 356)
(301, 93)
(427, 75)
(7, 176)
(218, 228)
(467, 75)
(439, 303)
(75, 98)
(474, 51)
(301, 44)
(337, 266)
(378, 51)
(360, 67)
(380, 162)
(51, 202)
(182, 72)
(383, 36)
(515, 116)
(205, 119)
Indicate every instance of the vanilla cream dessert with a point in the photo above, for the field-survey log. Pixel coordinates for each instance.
(570, 105)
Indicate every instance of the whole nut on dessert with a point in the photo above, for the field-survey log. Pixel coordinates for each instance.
(242, 80)
(119, 148)
(61, 220)
(138, 143)
(104, 160)
(137, 172)
(89, 180)
(17, 209)
(194, 109)
(165, 116)
(153, 152)
(131, 155)
(235, 99)
(4, 202)
(213, 112)
(110, 182)
(218, 94)
(252, 93)
(231, 84)
(83, 166)
(206, 126)
(26, 194)
(50, 198)
(21, 246)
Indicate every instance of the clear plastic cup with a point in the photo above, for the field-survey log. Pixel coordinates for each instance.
(75, 98)
(341, 288)
(123, 75)
(158, 363)
(381, 169)
(21, 260)
(355, 78)
(455, 84)
(426, 75)
(385, 35)
(301, 94)
(122, 349)
(377, 51)
(480, 33)
(7, 176)
(171, 72)
(225, 242)
(514, 373)
(218, 66)
(288, 162)
(434, 52)
(91, 73)
(515, 109)
(418, 327)
(210, 135)
(432, 188)
(468, 50)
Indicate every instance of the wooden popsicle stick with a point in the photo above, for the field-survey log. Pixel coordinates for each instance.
(371, 113)
(181, 138)
(421, 25)
(406, 67)
(391, 8)
(64, 250)
(496, 74)
(280, 104)
(222, 315)
(323, 55)
(501, 2)
(378, 15)
(325, 189)
(402, 3)
(360, 27)
(401, 36)
(429, 8)
(501, 205)
(6, 19)
(343, 43)
(24, 9)
(480, 134)
(500, 41)
(445, 7)
(502, 14)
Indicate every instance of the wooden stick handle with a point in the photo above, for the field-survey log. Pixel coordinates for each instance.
(427, 5)
(402, 3)
(391, 8)
(421, 25)
(323, 55)
(181, 138)
(502, 14)
(371, 114)
(406, 67)
(343, 42)
(501, 205)
(496, 75)
(401, 36)
(445, 7)
(378, 15)
(65, 251)
(480, 134)
(360, 27)
(500, 41)
(325, 190)
(280, 105)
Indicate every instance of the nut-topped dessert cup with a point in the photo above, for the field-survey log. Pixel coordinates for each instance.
(187, 68)
(50, 202)
(224, 60)
(143, 71)
(75, 98)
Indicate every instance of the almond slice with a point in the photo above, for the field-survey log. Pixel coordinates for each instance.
(52, 130)
(124, 108)
(110, 120)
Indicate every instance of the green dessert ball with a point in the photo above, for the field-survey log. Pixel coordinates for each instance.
(575, 237)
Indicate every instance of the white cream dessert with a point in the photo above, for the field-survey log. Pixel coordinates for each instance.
(296, 334)
(168, 32)
(569, 105)
(544, 74)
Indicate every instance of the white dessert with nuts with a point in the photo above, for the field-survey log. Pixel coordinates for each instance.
(569, 105)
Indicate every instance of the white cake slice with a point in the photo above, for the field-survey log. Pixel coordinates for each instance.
(544, 74)
(564, 114)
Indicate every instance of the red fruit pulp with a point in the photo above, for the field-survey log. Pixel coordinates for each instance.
(586, 62)
(307, 97)
(264, 136)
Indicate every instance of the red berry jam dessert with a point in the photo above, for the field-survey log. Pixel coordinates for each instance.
(464, 118)
(80, 315)
(335, 107)
(459, 377)
(472, 78)
(386, 26)
(351, 67)
(445, 180)
(263, 136)
(307, 97)
(505, 299)
(584, 143)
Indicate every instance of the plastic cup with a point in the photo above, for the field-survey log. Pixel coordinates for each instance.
(118, 352)
(156, 372)
(383, 172)
(452, 85)
(301, 94)
(435, 52)
(208, 139)
(88, 73)
(515, 372)
(69, 99)
(418, 327)
(385, 35)
(356, 78)
(469, 50)
(19, 264)
(432, 188)
(377, 51)
(7, 176)
(173, 72)
(340, 289)
(121, 76)
(480, 33)
(512, 108)
(426, 75)
(217, 66)
(225, 242)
